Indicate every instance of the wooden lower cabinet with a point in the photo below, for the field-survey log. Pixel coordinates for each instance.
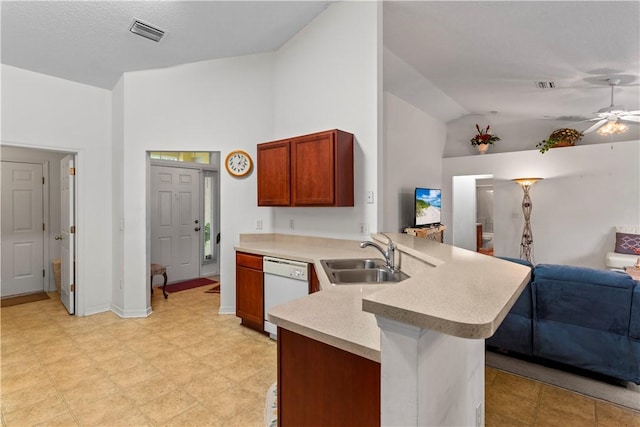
(249, 290)
(321, 385)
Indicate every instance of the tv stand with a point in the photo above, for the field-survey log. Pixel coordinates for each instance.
(434, 233)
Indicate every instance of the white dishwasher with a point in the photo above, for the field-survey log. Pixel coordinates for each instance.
(284, 280)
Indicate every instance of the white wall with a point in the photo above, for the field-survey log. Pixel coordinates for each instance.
(413, 144)
(52, 161)
(587, 191)
(218, 105)
(39, 111)
(328, 76)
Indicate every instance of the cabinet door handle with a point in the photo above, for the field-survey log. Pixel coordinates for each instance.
(58, 237)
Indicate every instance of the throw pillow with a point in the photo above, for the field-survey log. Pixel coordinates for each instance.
(627, 243)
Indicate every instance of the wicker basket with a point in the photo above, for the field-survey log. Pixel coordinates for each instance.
(564, 143)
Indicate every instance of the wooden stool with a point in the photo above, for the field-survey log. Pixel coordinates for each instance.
(157, 270)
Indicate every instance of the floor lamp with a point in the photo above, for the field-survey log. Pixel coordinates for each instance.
(526, 244)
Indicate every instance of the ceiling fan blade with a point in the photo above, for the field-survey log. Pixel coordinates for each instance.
(633, 113)
(630, 119)
(596, 126)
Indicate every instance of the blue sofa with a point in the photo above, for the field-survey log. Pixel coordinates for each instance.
(581, 317)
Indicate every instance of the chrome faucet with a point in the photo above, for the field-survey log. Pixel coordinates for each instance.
(389, 253)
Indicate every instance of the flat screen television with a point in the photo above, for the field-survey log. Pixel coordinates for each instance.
(428, 203)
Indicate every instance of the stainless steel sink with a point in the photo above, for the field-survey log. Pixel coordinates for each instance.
(352, 264)
(360, 271)
(371, 275)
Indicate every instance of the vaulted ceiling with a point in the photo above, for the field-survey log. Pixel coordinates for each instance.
(448, 58)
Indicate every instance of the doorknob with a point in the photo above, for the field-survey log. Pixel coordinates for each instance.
(197, 229)
(58, 237)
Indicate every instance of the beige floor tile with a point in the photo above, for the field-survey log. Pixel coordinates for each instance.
(105, 411)
(609, 415)
(65, 419)
(12, 401)
(195, 416)
(237, 404)
(149, 389)
(168, 406)
(209, 386)
(187, 365)
(85, 393)
(37, 413)
(24, 381)
(134, 374)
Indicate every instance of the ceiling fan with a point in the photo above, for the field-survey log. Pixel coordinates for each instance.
(609, 119)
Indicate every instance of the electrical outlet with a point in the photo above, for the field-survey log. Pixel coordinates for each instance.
(259, 224)
(292, 224)
(364, 228)
(370, 197)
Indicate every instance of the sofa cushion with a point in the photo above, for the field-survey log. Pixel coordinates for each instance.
(627, 243)
(586, 297)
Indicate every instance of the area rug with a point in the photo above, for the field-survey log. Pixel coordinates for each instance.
(189, 284)
(23, 299)
(271, 407)
(628, 396)
(214, 290)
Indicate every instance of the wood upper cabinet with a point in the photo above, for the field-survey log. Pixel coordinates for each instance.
(274, 174)
(249, 290)
(309, 170)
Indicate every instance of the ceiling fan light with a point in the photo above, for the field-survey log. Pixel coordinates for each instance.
(612, 127)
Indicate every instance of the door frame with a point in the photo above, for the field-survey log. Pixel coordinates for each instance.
(46, 234)
(80, 219)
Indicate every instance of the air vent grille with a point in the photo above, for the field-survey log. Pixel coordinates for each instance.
(147, 31)
(545, 84)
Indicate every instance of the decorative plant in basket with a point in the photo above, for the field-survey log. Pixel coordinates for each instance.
(564, 137)
(483, 138)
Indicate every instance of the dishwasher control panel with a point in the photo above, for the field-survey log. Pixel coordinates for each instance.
(284, 267)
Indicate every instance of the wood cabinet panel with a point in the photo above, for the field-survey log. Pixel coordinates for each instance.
(249, 292)
(249, 260)
(321, 385)
(274, 174)
(313, 170)
(314, 283)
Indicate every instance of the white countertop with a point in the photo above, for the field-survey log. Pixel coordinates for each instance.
(451, 290)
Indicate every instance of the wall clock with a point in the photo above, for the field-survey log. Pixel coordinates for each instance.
(238, 163)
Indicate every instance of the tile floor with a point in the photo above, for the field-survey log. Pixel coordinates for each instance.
(186, 365)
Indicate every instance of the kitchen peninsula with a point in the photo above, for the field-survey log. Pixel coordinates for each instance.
(427, 331)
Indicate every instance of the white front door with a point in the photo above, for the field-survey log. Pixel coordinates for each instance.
(67, 229)
(175, 221)
(22, 229)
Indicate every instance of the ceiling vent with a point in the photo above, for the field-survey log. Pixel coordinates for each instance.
(147, 31)
(545, 85)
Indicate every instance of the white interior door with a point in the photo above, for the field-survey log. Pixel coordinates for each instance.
(175, 221)
(22, 229)
(67, 229)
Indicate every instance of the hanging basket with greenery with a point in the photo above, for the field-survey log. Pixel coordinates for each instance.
(564, 137)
